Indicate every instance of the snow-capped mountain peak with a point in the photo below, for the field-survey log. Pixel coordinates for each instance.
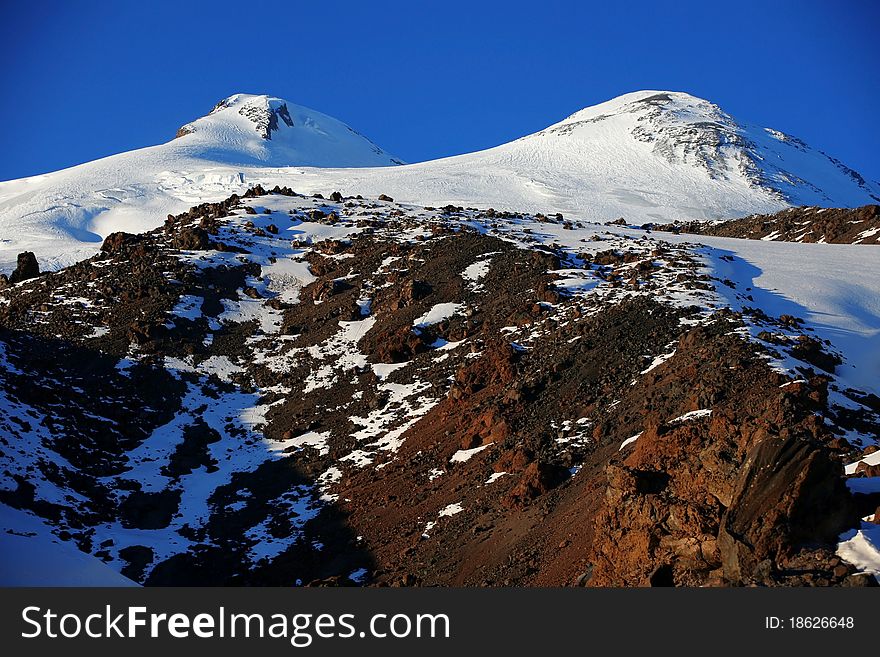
(668, 101)
(265, 112)
(63, 216)
(279, 133)
(686, 130)
(649, 156)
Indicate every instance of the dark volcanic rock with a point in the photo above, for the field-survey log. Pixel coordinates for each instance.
(537, 479)
(402, 296)
(138, 558)
(115, 243)
(810, 350)
(193, 450)
(790, 492)
(149, 510)
(804, 224)
(27, 267)
(398, 345)
(192, 239)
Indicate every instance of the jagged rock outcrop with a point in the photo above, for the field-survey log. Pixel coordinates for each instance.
(27, 268)
(788, 493)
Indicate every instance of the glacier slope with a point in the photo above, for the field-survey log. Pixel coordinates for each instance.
(649, 156)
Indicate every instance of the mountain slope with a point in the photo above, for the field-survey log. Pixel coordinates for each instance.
(649, 156)
(268, 131)
(63, 216)
(281, 389)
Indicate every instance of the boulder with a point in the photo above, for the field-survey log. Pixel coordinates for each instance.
(117, 242)
(810, 350)
(537, 479)
(789, 492)
(191, 239)
(399, 345)
(27, 268)
(326, 289)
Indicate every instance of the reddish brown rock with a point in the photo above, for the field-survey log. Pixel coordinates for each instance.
(191, 239)
(789, 492)
(537, 479)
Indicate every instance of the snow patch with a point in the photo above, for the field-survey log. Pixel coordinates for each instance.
(451, 509)
(463, 455)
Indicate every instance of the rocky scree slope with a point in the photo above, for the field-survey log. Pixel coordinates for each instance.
(804, 224)
(279, 389)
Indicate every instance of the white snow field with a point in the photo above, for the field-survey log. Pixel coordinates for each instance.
(835, 288)
(648, 156)
(64, 216)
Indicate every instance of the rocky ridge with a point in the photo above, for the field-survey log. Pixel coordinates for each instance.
(803, 224)
(280, 389)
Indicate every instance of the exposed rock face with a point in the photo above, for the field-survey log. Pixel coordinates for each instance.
(725, 497)
(27, 268)
(266, 117)
(537, 479)
(789, 493)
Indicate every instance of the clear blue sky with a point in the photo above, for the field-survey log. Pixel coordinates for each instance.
(426, 79)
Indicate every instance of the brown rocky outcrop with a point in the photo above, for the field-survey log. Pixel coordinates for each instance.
(192, 239)
(398, 345)
(802, 224)
(789, 492)
(725, 498)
